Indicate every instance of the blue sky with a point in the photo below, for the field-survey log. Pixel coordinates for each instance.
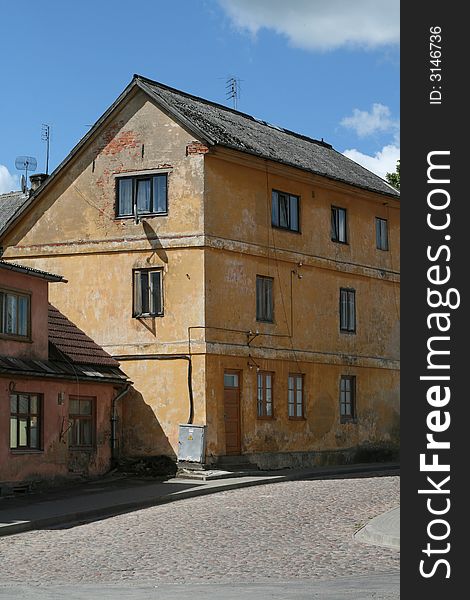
(325, 68)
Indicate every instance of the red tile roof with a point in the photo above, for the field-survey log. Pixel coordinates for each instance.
(74, 343)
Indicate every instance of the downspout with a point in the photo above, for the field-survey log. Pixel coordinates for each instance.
(114, 420)
(167, 357)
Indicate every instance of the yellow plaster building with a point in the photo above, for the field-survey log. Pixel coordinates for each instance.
(246, 277)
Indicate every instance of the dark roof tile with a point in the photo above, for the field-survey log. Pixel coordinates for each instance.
(231, 128)
(9, 204)
(73, 343)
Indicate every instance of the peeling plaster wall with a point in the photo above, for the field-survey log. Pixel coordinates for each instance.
(55, 459)
(238, 209)
(72, 230)
(377, 407)
(159, 402)
(79, 206)
(216, 238)
(312, 303)
(308, 270)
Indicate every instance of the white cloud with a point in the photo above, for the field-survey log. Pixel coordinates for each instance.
(366, 123)
(8, 182)
(384, 161)
(321, 24)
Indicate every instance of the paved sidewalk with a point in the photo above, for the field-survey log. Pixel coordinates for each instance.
(371, 587)
(111, 496)
(384, 530)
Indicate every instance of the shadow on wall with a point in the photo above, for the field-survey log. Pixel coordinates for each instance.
(155, 243)
(141, 433)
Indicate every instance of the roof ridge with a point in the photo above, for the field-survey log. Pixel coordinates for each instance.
(234, 111)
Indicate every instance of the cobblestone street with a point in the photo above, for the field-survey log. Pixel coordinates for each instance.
(287, 531)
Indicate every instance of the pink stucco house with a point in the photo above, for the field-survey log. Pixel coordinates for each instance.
(59, 391)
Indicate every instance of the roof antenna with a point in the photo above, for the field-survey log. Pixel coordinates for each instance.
(28, 163)
(232, 89)
(45, 136)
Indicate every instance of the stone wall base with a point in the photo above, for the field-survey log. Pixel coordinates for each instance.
(318, 458)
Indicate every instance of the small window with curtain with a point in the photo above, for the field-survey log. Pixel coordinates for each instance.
(81, 421)
(14, 314)
(264, 299)
(381, 233)
(265, 395)
(338, 225)
(148, 293)
(285, 211)
(347, 310)
(295, 396)
(347, 399)
(142, 195)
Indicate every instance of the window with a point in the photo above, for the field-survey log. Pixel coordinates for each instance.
(148, 293)
(285, 211)
(141, 195)
(230, 380)
(347, 398)
(25, 421)
(347, 310)
(81, 421)
(295, 396)
(264, 299)
(265, 395)
(381, 233)
(338, 225)
(14, 314)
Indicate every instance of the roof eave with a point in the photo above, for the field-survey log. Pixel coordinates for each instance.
(135, 83)
(64, 376)
(395, 196)
(132, 85)
(33, 273)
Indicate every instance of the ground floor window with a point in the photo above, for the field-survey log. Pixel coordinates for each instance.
(81, 421)
(25, 421)
(295, 396)
(347, 398)
(265, 394)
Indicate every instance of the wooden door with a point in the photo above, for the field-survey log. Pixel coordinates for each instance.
(232, 412)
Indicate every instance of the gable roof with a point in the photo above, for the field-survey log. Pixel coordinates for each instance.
(218, 125)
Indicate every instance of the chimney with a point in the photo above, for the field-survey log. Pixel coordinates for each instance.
(36, 180)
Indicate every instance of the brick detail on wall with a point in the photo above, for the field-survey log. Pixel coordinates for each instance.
(196, 148)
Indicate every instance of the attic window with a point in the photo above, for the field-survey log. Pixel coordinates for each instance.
(142, 195)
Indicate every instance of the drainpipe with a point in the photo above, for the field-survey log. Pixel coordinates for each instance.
(114, 420)
(187, 357)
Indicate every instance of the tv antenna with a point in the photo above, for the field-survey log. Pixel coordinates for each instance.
(233, 89)
(45, 136)
(26, 163)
